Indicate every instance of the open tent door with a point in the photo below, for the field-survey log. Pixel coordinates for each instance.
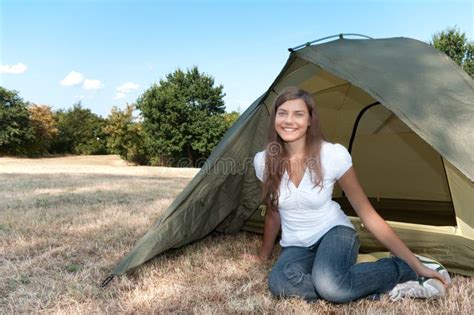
(404, 177)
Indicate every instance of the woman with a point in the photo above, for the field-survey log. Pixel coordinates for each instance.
(320, 246)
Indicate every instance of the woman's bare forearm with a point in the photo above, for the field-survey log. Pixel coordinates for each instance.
(270, 233)
(385, 235)
(374, 223)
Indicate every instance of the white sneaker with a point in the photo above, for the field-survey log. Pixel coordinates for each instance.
(422, 288)
(434, 265)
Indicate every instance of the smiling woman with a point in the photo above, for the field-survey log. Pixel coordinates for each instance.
(291, 123)
(320, 244)
(294, 140)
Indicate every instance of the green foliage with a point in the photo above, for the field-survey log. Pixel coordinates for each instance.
(184, 118)
(80, 132)
(73, 268)
(24, 279)
(230, 118)
(209, 131)
(16, 133)
(63, 143)
(44, 129)
(456, 45)
(125, 136)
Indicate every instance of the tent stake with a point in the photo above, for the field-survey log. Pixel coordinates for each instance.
(106, 281)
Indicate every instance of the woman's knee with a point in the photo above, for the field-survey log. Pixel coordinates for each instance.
(332, 289)
(275, 280)
(284, 281)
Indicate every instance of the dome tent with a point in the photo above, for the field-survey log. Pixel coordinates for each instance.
(404, 110)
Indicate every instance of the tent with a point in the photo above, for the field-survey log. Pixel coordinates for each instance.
(405, 112)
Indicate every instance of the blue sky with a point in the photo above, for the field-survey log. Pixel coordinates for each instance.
(106, 53)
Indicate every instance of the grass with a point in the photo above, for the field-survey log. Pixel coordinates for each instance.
(66, 222)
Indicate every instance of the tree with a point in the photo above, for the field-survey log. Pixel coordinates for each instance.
(16, 133)
(210, 131)
(63, 143)
(230, 118)
(456, 45)
(183, 118)
(44, 129)
(80, 132)
(125, 136)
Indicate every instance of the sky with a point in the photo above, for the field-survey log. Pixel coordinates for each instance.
(107, 53)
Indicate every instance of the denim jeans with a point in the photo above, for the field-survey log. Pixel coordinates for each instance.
(328, 270)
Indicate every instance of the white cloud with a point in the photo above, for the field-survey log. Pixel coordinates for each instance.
(90, 84)
(15, 69)
(73, 78)
(119, 96)
(127, 87)
(76, 78)
(124, 89)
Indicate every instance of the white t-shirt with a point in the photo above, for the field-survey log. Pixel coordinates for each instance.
(308, 212)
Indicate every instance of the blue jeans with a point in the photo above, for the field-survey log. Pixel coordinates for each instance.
(328, 270)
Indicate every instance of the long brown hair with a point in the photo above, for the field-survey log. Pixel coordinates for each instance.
(276, 157)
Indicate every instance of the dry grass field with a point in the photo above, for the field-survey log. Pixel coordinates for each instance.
(66, 222)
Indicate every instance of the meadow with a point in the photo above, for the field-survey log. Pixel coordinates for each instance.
(65, 222)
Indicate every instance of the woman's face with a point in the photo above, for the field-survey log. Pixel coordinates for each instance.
(292, 120)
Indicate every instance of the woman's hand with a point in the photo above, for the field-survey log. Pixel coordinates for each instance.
(426, 272)
(254, 258)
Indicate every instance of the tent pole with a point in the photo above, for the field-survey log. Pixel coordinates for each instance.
(341, 36)
(356, 124)
(354, 129)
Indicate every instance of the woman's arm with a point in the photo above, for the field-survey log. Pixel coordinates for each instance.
(270, 232)
(377, 226)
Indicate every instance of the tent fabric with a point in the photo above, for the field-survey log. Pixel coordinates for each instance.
(414, 81)
(210, 197)
(426, 111)
(462, 190)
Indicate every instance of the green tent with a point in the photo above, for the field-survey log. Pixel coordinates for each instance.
(404, 110)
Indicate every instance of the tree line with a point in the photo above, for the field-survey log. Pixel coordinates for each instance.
(174, 123)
